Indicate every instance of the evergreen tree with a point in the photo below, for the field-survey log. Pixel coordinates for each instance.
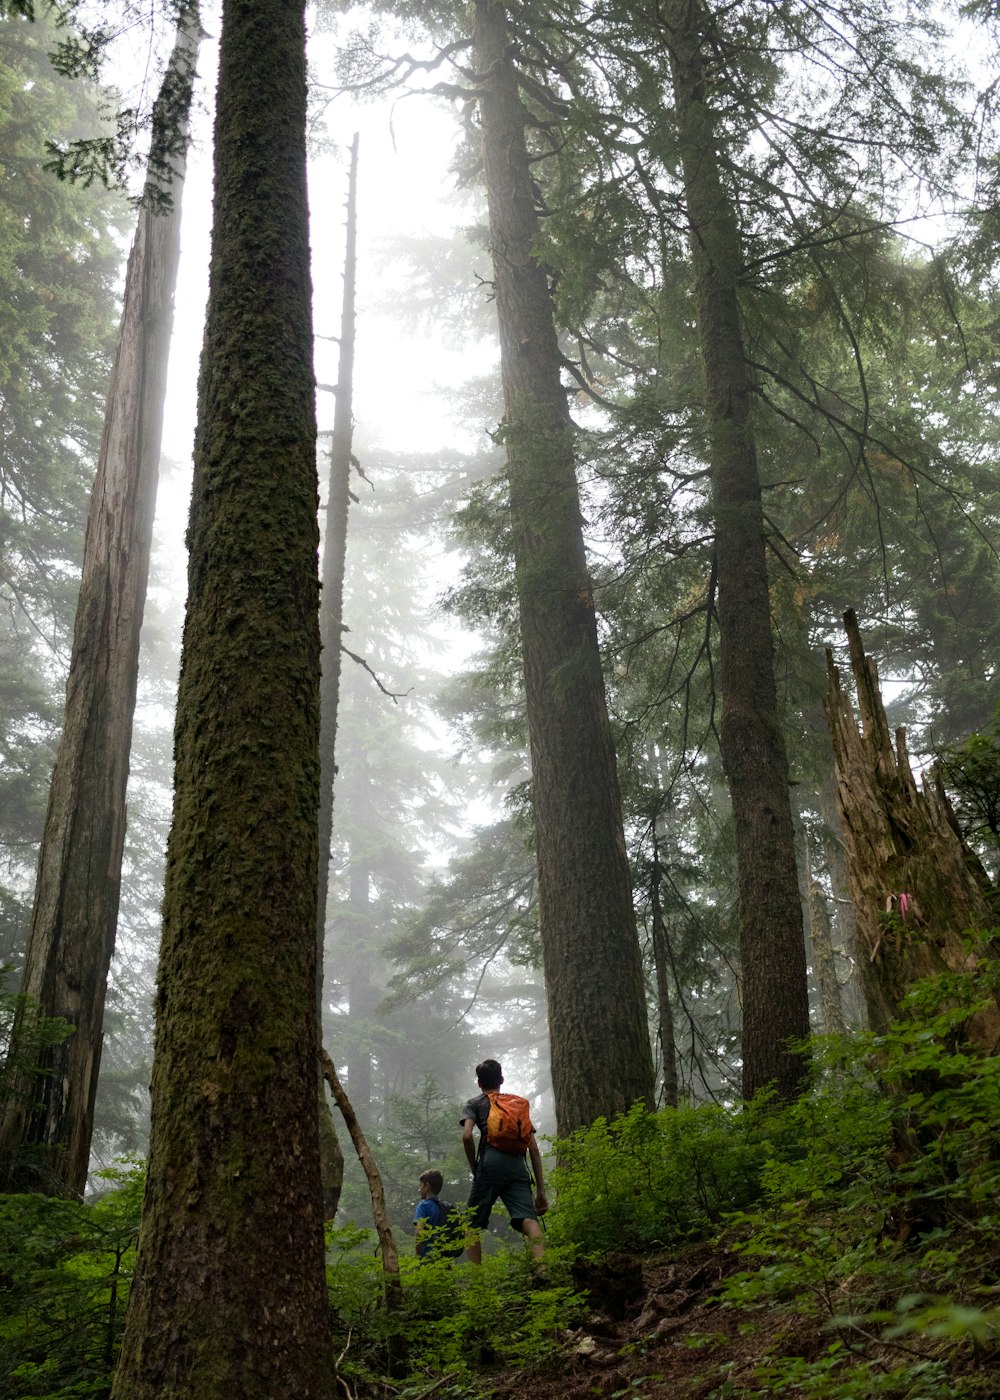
(601, 1062)
(45, 1136)
(772, 953)
(59, 261)
(229, 1292)
(801, 216)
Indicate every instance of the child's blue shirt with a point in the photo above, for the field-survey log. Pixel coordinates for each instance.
(429, 1210)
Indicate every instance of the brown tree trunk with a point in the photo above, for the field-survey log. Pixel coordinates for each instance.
(335, 551)
(362, 997)
(601, 1058)
(772, 948)
(831, 1013)
(661, 964)
(914, 894)
(331, 626)
(46, 1131)
(852, 997)
(229, 1293)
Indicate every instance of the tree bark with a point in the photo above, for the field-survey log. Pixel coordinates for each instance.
(229, 1295)
(362, 997)
(331, 626)
(601, 1057)
(914, 894)
(831, 1014)
(335, 551)
(661, 964)
(47, 1128)
(772, 949)
(852, 997)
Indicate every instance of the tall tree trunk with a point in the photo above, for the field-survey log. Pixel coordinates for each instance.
(46, 1131)
(361, 994)
(601, 1058)
(831, 1014)
(229, 1295)
(915, 896)
(772, 950)
(331, 626)
(335, 551)
(852, 996)
(661, 963)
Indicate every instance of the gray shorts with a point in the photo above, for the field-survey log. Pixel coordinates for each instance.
(501, 1176)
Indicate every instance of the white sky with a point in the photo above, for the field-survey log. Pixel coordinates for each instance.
(404, 187)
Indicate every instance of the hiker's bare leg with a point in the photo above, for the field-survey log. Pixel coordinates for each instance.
(474, 1249)
(533, 1232)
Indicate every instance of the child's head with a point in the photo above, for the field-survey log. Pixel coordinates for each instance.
(433, 1180)
(489, 1075)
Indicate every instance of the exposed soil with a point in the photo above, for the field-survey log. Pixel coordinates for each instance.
(659, 1331)
(655, 1330)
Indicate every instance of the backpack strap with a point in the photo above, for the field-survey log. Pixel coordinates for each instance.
(481, 1150)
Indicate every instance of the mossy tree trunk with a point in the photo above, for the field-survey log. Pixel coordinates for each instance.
(229, 1295)
(48, 1124)
(772, 947)
(914, 893)
(601, 1057)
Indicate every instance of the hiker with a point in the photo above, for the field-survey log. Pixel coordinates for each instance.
(430, 1214)
(499, 1168)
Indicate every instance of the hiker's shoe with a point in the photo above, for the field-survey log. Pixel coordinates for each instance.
(540, 1279)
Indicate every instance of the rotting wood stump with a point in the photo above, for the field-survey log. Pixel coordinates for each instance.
(915, 891)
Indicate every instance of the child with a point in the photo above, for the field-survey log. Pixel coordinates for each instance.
(429, 1213)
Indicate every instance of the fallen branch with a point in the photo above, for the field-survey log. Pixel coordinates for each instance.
(390, 1255)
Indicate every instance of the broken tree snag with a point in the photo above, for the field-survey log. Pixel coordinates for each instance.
(914, 893)
(390, 1255)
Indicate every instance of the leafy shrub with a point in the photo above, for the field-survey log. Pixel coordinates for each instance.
(452, 1319)
(20, 1053)
(649, 1180)
(881, 1222)
(64, 1276)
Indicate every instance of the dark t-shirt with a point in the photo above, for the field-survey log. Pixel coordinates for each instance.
(496, 1172)
(478, 1109)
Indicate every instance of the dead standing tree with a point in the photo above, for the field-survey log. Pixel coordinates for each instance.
(331, 625)
(46, 1130)
(909, 877)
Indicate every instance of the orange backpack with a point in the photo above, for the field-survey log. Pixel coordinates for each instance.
(508, 1126)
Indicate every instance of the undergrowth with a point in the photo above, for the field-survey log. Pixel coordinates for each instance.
(868, 1212)
(879, 1218)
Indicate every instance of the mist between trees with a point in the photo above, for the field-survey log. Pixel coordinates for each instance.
(586, 813)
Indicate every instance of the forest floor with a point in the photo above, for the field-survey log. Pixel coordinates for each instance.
(656, 1328)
